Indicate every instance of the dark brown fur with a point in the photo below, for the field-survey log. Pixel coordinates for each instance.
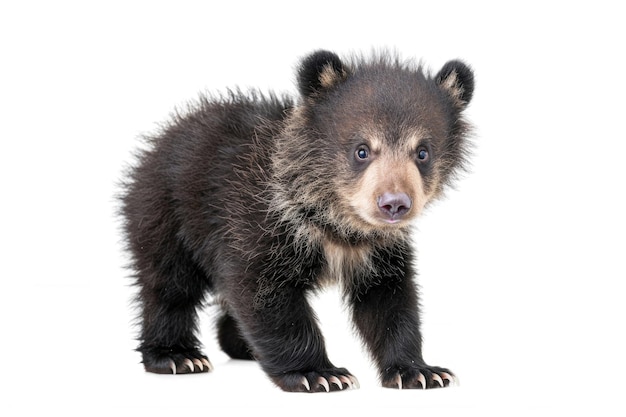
(259, 200)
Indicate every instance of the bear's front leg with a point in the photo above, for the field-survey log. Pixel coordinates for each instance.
(386, 313)
(282, 332)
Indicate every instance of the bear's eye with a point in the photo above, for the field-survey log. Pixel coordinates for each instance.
(362, 152)
(422, 154)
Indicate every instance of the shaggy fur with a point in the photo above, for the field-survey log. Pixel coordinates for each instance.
(259, 200)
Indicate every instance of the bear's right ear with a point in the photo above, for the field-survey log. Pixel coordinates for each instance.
(319, 71)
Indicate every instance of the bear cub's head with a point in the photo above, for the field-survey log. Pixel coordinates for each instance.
(372, 141)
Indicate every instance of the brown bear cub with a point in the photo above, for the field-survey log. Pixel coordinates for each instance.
(260, 200)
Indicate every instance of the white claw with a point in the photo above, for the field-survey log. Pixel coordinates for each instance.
(189, 364)
(334, 380)
(451, 378)
(207, 364)
(344, 379)
(422, 380)
(399, 381)
(173, 367)
(437, 378)
(355, 382)
(322, 381)
(199, 363)
(305, 382)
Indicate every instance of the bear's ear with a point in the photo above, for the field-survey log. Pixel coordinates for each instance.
(320, 71)
(457, 80)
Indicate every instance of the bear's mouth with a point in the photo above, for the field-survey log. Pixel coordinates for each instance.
(379, 221)
(393, 221)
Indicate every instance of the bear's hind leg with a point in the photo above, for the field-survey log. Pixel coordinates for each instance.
(230, 339)
(169, 297)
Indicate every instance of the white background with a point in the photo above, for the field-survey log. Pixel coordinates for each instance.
(521, 267)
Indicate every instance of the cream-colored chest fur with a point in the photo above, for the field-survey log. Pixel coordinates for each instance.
(342, 261)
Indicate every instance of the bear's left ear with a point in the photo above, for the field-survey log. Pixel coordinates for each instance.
(320, 71)
(457, 80)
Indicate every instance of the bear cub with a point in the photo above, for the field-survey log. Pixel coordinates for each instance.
(258, 200)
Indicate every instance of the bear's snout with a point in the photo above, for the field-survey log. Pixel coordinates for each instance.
(394, 205)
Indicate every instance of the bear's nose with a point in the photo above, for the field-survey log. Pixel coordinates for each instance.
(394, 205)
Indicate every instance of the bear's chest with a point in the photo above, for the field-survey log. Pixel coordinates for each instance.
(343, 262)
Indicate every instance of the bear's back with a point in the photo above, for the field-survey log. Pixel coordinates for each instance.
(192, 166)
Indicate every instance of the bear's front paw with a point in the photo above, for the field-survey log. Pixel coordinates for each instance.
(335, 379)
(417, 376)
(176, 362)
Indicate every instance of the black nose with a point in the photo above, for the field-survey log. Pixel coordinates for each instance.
(394, 205)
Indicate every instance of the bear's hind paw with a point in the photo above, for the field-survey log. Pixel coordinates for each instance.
(177, 363)
(190, 366)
